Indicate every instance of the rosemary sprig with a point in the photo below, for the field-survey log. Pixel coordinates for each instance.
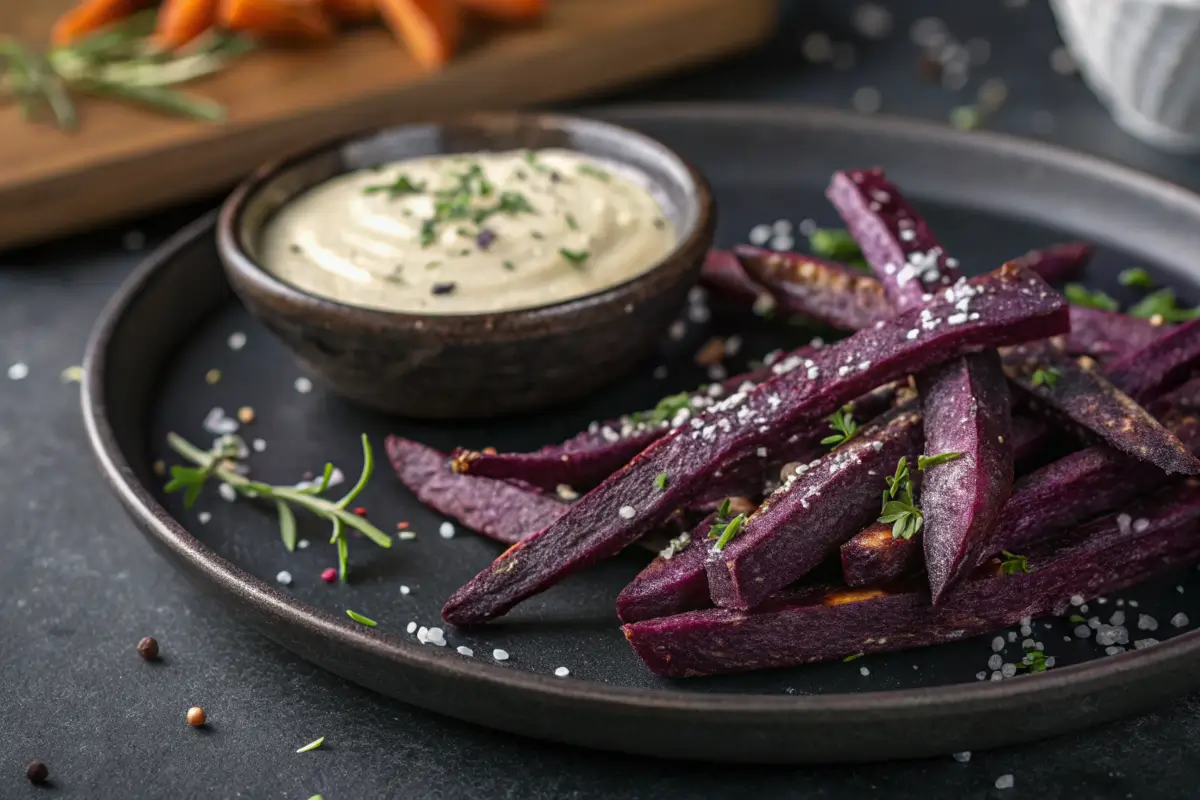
(843, 423)
(219, 463)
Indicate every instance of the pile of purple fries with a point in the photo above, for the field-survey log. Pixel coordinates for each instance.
(934, 493)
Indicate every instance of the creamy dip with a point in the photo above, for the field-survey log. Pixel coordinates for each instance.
(468, 233)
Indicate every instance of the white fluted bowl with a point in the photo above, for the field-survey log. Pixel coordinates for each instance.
(1142, 57)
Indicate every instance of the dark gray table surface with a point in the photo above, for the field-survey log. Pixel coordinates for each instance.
(79, 586)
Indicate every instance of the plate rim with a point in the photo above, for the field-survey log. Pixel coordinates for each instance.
(745, 710)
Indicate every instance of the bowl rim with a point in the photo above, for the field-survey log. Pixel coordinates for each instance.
(241, 266)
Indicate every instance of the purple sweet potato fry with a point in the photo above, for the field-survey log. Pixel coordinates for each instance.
(1082, 397)
(819, 507)
(1161, 365)
(967, 408)
(495, 509)
(874, 557)
(821, 290)
(1106, 335)
(1058, 262)
(672, 583)
(961, 499)
(723, 275)
(1013, 305)
(1104, 557)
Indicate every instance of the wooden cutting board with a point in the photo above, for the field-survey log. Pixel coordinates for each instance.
(124, 160)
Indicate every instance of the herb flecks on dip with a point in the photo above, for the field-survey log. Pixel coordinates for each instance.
(469, 233)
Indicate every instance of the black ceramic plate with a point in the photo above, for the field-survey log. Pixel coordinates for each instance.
(987, 197)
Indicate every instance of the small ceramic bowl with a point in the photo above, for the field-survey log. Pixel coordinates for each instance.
(1142, 58)
(470, 365)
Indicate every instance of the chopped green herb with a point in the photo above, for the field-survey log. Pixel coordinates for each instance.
(1034, 661)
(399, 187)
(531, 159)
(835, 243)
(843, 422)
(360, 619)
(428, 232)
(1013, 563)
(71, 375)
(1164, 304)
(850, 658)
(1046, 376)
(316, 797)
(311, 745)
(572, 223)
(966, 118)
(899, 509)
(925, 462)
(537, 235)
(731, 530)
(720, 519)
(509, 265)
(661, 480)
(219, 463)
(1080, 295)
(576, 257)
(1078, 620)
(1136, 278)
(665, 410)
(595, 172)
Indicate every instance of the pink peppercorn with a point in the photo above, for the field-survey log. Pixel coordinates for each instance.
(329, 575)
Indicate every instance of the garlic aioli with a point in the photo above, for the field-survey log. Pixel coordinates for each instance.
(468, 233)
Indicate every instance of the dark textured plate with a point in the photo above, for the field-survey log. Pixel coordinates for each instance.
(987, 197)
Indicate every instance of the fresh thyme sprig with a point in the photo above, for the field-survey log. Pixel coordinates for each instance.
(220, 463)
(843, 422)
(732, 529)
(721, 519)
(899, 509)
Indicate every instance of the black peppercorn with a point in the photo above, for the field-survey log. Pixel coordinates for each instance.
(148, 648)
(37, 772)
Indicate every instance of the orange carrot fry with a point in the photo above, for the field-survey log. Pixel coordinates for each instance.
(180, 21)
(431, 28)
(89, 16)
(506, 10)
(351, 10)
(303, 20)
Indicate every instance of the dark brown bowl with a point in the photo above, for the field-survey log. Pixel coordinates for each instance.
(470, 365)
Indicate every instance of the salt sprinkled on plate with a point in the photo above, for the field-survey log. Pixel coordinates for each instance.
(284, 577)
(412, 627)
(864, 671)
(303, 385)
(1004, 782)
(562, 672)
(18, 371)
(500, 655)
(405, 590)
(227, 492)
(204, 517)
(446, 530)
(237, 340)
(1179, 620)
(259, 445)
(463, 650)
(963, 757)
(302, 544)
(759, 234)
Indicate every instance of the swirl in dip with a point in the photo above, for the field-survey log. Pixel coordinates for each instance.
(471, 233)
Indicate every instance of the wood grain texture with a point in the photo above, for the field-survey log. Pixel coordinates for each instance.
(126, 160)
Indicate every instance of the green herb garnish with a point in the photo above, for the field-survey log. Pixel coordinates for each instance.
(850, 658)
(665, 410)
(314, 744)
(1080, 295)
(595, 172)
(1164, 304)
(576, 257)
(572, 223)
(732, 529)
(401, 186)
(1136, 278)
(360, 619)
(661, 480)
(509, 265)
(721, 518)
(1078, 620)
(1046, 376)
(219, 463)
(835, 243)
(428, 232)
(925, 462)
(899, 509)
(1037, 661)
(843, 422)
(1013, 563)
(966, 118)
